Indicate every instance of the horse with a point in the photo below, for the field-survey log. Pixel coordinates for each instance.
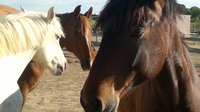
(141, 46)
(77, 43)
(25, 37)
(5, 10)
(78, 35)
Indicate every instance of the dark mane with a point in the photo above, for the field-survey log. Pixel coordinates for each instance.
(63, 18)
(122, 16)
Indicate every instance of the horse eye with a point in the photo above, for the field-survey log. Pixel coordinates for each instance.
(78, 31)
(138, 32)
(58, 37)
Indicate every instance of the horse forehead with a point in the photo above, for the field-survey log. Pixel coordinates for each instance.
(51, 43)
(85, 24)
(82, 25)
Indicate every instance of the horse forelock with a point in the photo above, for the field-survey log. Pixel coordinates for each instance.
(122, 17)
(23, 31)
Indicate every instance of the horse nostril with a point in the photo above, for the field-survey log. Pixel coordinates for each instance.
(85, 64)
(60, 68)
(96, 104)
(93, 104)
(65, 65)
(88, 62)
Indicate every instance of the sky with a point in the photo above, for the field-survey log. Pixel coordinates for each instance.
(63, 6)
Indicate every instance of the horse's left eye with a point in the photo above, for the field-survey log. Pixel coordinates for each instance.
(138, 32)
(58, 37)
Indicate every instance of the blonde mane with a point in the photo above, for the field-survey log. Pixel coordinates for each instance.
(26, 30)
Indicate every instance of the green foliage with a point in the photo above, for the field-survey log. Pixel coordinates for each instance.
(195, 17)
(93, 20)
(187, 11)
(95, 17)
(193, 11)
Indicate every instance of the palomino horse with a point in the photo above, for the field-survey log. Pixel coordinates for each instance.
(24, 37)
(141, 42)
(78, 41)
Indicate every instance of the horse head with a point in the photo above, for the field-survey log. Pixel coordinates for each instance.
(137, 40)
(78, 35)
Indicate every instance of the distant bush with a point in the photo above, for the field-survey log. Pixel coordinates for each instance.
(93, 20)
(195, 16)
(193, 11)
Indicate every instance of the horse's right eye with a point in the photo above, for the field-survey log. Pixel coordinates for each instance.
(58, 37)
(138, 31)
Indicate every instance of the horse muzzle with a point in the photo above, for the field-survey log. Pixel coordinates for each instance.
(60, 69)
(94, 104)
(86, 64)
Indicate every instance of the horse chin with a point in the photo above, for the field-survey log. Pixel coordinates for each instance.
(112, 108)
(85, 65)
(58, 72)
(85, 68)
(55, 70)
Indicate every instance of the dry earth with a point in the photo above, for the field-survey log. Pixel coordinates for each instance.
(62, 93)
(58, 93)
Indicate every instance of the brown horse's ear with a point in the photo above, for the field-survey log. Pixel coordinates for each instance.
(77, 11)
(89, 12)
(157, 13)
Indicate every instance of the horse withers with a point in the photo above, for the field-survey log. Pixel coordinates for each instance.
(141, 43)
(25, 37)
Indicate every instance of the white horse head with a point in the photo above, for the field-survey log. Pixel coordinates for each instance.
(37, 31)
(49, 49)
(24, 37)
(50, 54)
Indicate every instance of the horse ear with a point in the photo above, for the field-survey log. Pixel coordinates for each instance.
(89, 12)
(77, 11)
(157, 13)
(51, 15)
(22, 9)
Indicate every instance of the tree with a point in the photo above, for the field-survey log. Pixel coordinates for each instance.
(187, 11)
(195, 12)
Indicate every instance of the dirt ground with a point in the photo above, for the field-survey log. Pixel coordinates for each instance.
(62, 93)
(58, 93)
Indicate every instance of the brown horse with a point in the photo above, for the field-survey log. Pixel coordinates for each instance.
(78, 36)
(78, 41)
(141, 45)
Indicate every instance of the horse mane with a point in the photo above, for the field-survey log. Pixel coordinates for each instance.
(63, 18)
(26, 30)
(192, 69)
(121, 17)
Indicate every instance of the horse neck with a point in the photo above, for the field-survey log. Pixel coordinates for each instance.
(177, 84)
(188, 83)
(12, 67)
